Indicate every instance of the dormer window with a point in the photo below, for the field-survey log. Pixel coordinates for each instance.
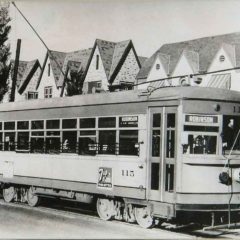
(222, 58)
(157, 66)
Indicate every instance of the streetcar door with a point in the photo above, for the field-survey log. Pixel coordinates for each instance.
(162, 154)
(155, 153)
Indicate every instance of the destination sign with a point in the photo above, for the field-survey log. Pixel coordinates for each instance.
(201, 119)
(128, 121)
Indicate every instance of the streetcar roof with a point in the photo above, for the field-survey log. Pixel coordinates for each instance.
(171, 93)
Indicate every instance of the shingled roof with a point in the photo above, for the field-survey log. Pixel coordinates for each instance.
(26, 69)
(193, 59)
(113, 55)
(206, 48)
(57, 60)
(142, 60)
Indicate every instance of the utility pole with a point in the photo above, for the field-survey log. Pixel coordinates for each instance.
(15, 71)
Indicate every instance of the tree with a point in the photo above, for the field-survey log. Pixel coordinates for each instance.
(4, 50)
(75, 83)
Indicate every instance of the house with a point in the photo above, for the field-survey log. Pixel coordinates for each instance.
(27, 78)
(106, 65)
(198, 56)
(54, 67)
(112, 64)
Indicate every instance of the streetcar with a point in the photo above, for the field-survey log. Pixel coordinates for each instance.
(139, 156)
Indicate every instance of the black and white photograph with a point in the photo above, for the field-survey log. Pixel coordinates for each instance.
(119, 119)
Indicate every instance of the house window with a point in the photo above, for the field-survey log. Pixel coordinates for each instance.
(48, 92)
(222, 58)
(157, 66)
(32, 95)
(49, 70)
(97, 62)
(99, 84)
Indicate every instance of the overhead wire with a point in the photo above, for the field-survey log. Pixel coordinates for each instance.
(40, 38)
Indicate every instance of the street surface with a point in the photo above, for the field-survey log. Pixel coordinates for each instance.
(61, 220)
(22, 221)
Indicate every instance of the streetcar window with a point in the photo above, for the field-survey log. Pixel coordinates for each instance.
(9, 125)
(200, 144)
(22, 125)
(1, 141)
(53, 145)
(87, 123)
(23, 140)
(107, 142)
(231, 134)
(9, 141)
(156, 119)
(37, 145)
(200, 128)
(171, 120)
(53, 124)
(155, 143)
(170, 143)
(69, 123)
(38, 133)
(39, 124)
(128, 142)
(0, 125)
(155, 176)
(107, 122)
(169, 184)
(87, 133)
(170, 138)
(69, 142)
(53, 133)
(87, 145)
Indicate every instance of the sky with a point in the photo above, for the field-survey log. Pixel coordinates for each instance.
(75, 24)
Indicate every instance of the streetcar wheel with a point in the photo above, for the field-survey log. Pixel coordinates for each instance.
(9, 194)
(104, 208)
(143, 217)
(32, 199)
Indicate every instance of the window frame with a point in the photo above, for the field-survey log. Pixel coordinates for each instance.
(186, 133)
(48, 92)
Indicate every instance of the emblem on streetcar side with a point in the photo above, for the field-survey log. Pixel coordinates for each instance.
(105, 178)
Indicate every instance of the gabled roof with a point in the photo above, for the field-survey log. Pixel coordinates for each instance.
(165, 60)
(193, 59)
(147, 65)
(113, 55)
(80, 58)
(206, 47)
(31, 68)
(106, 50)
(21, 69)
(26, 69)
(119, 50)
(142, 60)
(56, 61)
